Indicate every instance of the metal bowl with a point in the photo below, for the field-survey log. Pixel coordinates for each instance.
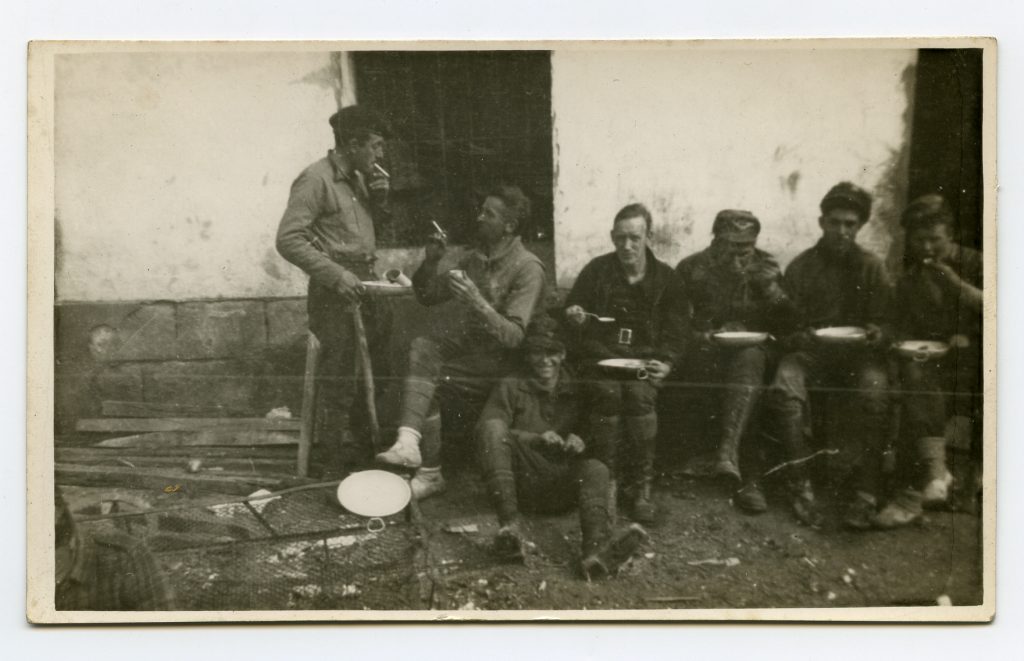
(739, 338)
(921, 350)
(841, 335)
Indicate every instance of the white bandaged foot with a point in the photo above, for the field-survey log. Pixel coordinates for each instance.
(406, 450)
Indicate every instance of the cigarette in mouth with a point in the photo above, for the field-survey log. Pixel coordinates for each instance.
(438, 228)
(381, 170)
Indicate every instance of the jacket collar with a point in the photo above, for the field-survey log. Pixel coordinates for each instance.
(566, 384)
(512, 248)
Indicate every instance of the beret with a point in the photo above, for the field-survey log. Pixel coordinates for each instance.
(360, 118)
(845, 195)
(736, 224)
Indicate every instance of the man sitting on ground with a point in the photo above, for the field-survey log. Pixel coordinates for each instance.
(530, 439)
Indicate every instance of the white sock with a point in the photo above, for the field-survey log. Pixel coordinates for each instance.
(408, 435)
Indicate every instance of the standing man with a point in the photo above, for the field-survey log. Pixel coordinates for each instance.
(836, 283)
(733, 286)
(938, 297)
(644, 300)
(532, 452)
(328, 231)
(497, 287)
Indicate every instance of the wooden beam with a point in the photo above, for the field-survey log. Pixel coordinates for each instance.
(235, 464)
(209, 437)
(129, 425)
(123, 409)
(160, 479)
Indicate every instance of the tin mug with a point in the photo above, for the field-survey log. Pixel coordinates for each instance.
(396, 276)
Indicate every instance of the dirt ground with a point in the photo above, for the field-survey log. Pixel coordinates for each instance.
(702, 554)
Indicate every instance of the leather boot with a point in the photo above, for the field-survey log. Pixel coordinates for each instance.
(642, 432)
(938, 479)
(739, 404)
(612, 554)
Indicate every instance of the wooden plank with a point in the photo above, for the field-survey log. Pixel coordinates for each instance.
(129, 425)
(160, 479)
(308, 403)
(231, 464)
(209, 437)
(263, 452)
(123, 409)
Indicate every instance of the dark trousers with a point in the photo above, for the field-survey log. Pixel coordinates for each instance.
(930, 392)
(449, 363)
(341, 400)
(855, 376)
(529, 476)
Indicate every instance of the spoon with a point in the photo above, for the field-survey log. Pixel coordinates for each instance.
(606, 320)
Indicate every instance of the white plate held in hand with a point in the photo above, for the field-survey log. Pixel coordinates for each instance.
(739, 338)
(842, 335)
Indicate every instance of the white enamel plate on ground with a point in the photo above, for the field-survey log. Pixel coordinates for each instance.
(374, 493)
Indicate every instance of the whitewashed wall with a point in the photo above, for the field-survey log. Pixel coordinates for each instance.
(173, 170)
(691, 132)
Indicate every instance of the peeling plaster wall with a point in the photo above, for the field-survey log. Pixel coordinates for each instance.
(691, 132)
(173, 170)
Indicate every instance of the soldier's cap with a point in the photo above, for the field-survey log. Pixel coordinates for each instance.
(846, 195)
(353, 119)
(736, 225)
(543, 334)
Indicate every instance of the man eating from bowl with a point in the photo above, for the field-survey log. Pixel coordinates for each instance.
(836, 283)
(496, 289)
(627, 304)
(732, 287)
(530, 440)
(938, 297)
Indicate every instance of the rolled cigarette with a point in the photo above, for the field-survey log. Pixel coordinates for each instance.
(439, 229)
(381, 170)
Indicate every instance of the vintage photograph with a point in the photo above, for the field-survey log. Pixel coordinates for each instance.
(577, 330)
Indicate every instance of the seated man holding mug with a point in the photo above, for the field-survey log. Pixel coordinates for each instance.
(497, 287)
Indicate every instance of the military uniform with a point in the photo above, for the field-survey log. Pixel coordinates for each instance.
(650, 323)
(327, 230)
(736, 297)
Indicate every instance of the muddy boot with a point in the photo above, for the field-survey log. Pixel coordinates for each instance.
(510, 544)
(938, 479)
(750, 499)
(805, 506)
(642, 432)
(611, 555)
(861, 512)
(644, 509)
(739, 403)
(902, 510)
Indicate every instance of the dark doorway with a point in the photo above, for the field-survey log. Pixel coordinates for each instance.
(463, 122)
(945, 153)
